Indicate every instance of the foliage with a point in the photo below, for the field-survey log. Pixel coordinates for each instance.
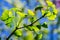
(16, 16)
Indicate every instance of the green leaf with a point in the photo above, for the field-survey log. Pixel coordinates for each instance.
(29, 36)
(21, 14)
(18, 33)
(31, 19)
(44, 25)
(4, 15)
(7, 17)
(35, 29)
(28, 27)
(38, 8)
(38, 26)
(38, 37)
(31, 13)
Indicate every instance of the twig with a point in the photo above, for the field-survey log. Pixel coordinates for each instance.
(14, 30)
(23, 27)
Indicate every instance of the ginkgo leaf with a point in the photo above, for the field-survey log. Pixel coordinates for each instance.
(18, 33)
(28, 27)
(44, 25)
(21, 14)
(38, 36)
(38, 8)
(35, 29)
(4, 15)
(7, 17)
(55, 11)
(31, 13)
(48, 13)
(8, 20)
(43, 12)
(53, 6)
(38, 26)
(49, 3)
(10, 13)
(29, 36)
(52, 17)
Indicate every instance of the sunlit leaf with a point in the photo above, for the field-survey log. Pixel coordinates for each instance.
(29, 36)
(49, 3)
(52, 17)
(18, 33)
(21, 14)
(38, 37)
(5, 15)
(55, 11)
(9, 20)
(30, 12)
(36, 29)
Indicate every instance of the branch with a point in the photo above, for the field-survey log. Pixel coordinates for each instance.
(37, 20)
(14, 30)
(23, 27)
(13, 33)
